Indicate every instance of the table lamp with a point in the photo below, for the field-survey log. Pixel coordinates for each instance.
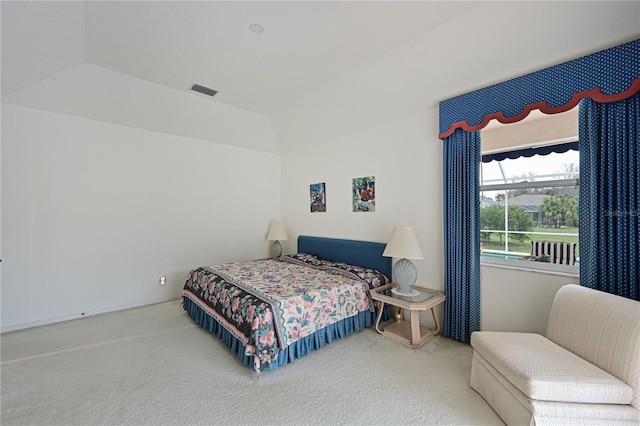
(404, 245)
(276, 233)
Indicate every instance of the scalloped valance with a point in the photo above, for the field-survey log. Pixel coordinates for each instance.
(610, 75)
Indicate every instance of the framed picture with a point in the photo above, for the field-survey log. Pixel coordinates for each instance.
(317, 194)
(364, 194)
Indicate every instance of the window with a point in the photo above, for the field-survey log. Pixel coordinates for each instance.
(529, 204)
(529, 192)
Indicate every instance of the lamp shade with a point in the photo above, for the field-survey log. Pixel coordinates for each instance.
(403, 244)
(277, 232)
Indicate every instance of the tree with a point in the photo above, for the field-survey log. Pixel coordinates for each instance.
(559, 208)
(571, 214)
(492, 217)
(519, 220)
(529, 177)
(550, 208)
(570, 171)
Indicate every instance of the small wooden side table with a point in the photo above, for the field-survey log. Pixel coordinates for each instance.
(408, 333)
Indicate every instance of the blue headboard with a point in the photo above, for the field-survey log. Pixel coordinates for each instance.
(363, 253)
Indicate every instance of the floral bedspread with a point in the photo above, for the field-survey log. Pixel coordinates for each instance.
(270, 304)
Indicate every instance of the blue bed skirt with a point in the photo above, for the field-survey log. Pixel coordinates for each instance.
(295, 350)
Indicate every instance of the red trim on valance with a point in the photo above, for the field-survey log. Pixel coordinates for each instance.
(596, 94)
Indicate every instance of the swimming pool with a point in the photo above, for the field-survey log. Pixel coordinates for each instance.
(502, 256)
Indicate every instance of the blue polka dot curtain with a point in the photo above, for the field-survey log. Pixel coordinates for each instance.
(609, 196)
(462, 234)
(606, 76)
(608, 209)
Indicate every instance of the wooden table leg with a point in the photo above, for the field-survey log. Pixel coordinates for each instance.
(435, 321)
(380, 310)
(415, 328)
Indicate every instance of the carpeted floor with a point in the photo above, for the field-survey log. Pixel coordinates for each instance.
(152, 365)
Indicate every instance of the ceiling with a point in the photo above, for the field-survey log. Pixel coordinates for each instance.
(319, 69)
(175, 44)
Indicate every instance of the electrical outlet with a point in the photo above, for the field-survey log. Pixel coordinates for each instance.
(163, 280)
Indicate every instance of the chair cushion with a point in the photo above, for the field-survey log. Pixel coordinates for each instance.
(545, 371)
(601, 328)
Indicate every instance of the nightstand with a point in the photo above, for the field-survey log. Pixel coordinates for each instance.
(408, 333)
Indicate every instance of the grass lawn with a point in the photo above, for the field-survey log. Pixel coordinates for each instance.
(525, 247)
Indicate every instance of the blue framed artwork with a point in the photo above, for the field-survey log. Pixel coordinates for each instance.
(364, 194)
(317, 194)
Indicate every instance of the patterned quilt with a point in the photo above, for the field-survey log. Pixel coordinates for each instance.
(270, 304)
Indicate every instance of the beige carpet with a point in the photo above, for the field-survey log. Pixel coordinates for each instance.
(152, 365)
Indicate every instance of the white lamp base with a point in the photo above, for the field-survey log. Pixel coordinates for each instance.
(276, 250)
(412, 292)
(405, 274)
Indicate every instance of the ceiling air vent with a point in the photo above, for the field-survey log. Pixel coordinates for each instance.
(202, 89)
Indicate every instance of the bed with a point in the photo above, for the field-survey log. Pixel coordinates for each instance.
(271, 312)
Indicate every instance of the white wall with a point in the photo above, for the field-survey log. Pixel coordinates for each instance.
(487, 43)
(405, 156)
(518, 300)
(97, 93)
(94, 213)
